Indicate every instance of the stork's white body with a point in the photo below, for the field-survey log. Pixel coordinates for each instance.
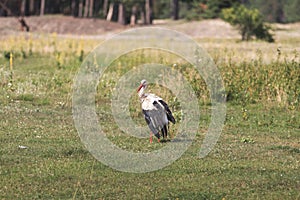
(156, 112)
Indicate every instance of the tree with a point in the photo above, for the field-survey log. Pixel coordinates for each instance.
(291, 10)
(213, 8)
(282, 11)
(175, 9)
(42, 11)
(249, 22)
(21, 19)
(208, 8)
(91, 8)
(105, 6)
(31, 7)
(86, 8)
(80, 8)
(133, 17)
(272, 10)
(110, 12)
(73, 8)
(148, 11)
(23, 7)
(121, 14)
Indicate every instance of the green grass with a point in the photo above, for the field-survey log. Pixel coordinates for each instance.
(256, 157)
(56, 165)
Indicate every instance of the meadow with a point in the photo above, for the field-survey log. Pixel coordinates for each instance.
(256, 157)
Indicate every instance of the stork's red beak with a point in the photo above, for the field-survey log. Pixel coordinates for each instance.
(139, 87)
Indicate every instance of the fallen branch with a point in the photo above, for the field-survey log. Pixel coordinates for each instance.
(21, 20)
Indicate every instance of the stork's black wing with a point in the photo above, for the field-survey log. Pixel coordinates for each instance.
(168, 111)
(147, 117)
(150, 124)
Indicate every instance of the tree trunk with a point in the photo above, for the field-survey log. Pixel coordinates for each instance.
(91, 10)
(175, 9)
(143, 20)
(4, 7)
(23, 7)
(80, 8)
(110, 12)
(86, 8)
(148, 12)
(42, 11)
(73, 8)
(105, 4)
(121, 14)
(31, 7)
(133, 16)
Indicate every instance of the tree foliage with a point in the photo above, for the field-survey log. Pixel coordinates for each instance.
(272, 10)
(207, 9)
(282, 11)
(249, 22)
(214, 7)
(292, 10)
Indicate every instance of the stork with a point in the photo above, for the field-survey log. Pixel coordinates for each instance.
(156, 112)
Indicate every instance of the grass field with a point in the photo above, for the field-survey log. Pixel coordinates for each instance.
(256, 157)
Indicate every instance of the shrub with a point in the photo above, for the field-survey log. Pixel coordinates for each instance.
(249, 22)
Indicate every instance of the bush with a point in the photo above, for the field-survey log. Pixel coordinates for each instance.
(249, 22)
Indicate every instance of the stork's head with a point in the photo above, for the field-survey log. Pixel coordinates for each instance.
(142, 87)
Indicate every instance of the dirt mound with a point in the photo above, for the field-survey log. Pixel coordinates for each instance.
(212, 28)
(60, 25)
(70, 26)
(66, 25)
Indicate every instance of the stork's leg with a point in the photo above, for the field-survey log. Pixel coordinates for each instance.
(150, 137)
(168, 128)
(158, 136)
(164, 132)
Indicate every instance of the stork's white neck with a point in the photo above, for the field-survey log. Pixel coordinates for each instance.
(141, 92)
